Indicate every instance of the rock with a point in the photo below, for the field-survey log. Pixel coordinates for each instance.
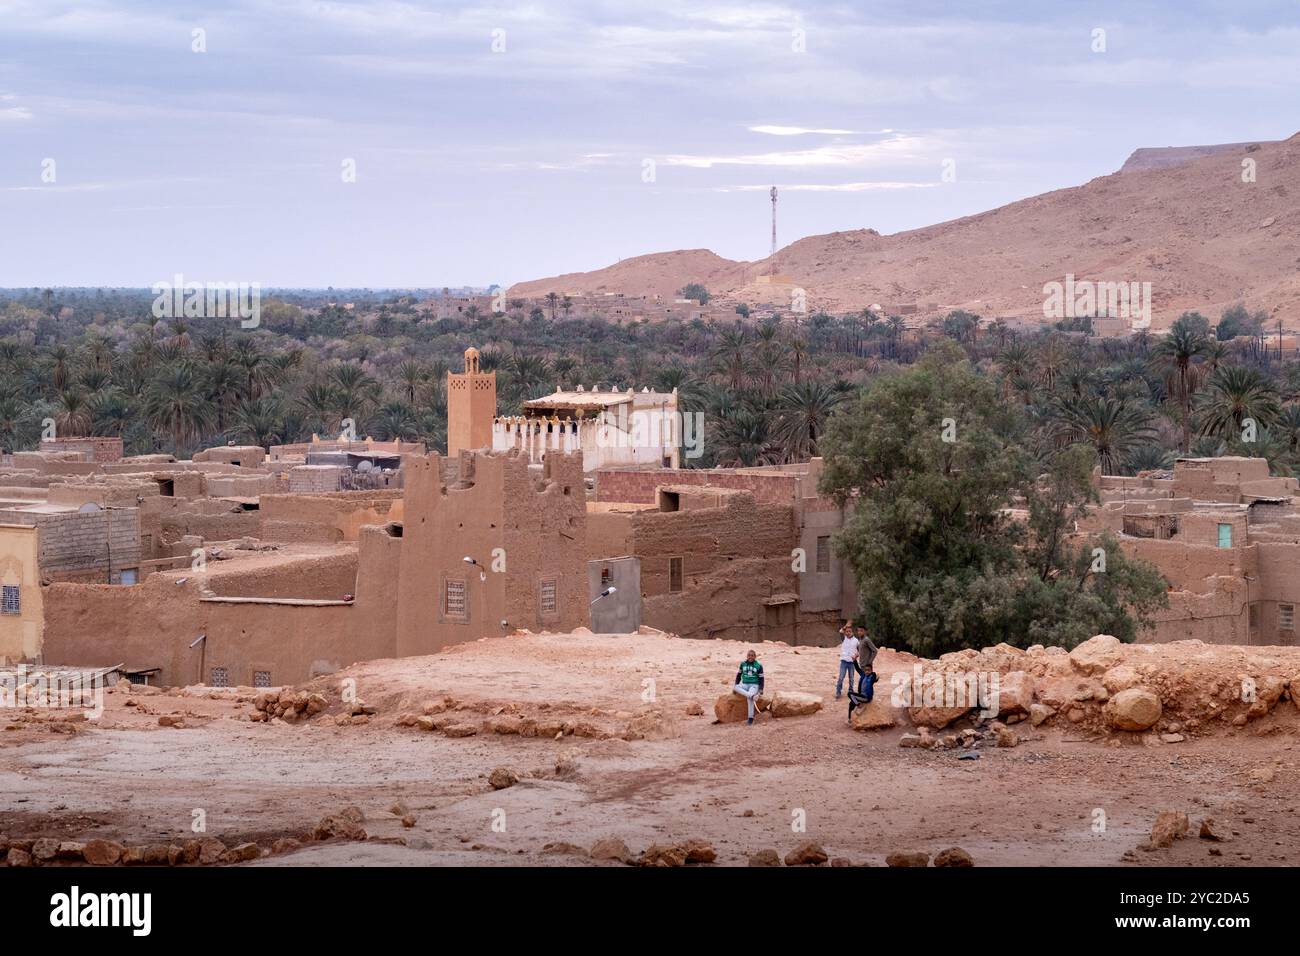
(732, 708)
(132, 855)
(660, 855)
(698, 851)
(566, 768)
(908, 859)
(408, 820)
(211, 850)
(1039, 713)
(285, 845)
(765, 858)
(1121, 677)
(1097, 654)
(190, 851)
(567, 849)
(72, 851)
(503, 777)
(953, 856)
(806, 854)
(790, 703)
(1262, 775)
(936, 717)
(1209, 830)
(102, 852)
(911, 740)
(694, 709)
(1133, 709)
(506, 724)
(17, 857)
(242, 853)
(1015, 693)
(611, 848)
(425, 723)
(1172, 738)
(338, 826)
(156, 854)
(45, 849)
(1268, 690)
(460, 730)
(877, 715)
(841, 861)
(1170, 825)
(1005, 737)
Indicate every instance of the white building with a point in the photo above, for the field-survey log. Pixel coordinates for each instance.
(610, 428)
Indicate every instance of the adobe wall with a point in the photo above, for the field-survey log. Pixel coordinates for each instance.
(89, 449)
(317, 576)
(538, 522)
(20, 634)
(153, 624)
(724, 601)
(609, 533)
(326, 518)
(613, 484)
(1188, 566)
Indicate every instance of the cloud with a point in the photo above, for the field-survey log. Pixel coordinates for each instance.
(828, 187)
(15, 113)
(800, 131)
(838, 154)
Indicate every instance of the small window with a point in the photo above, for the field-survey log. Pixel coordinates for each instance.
(9, 601)
(1286, 617)
(130, 576)
(261, 678)
(824, 554)
(1225, 536)
(220, 677)
(604, 578)
(547, 603)
(674, 574)
(453, 601)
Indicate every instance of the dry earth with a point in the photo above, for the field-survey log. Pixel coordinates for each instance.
(680, 777)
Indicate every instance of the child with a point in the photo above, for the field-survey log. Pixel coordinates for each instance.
(749, 681)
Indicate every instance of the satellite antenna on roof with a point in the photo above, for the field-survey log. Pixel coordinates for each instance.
(89, 506)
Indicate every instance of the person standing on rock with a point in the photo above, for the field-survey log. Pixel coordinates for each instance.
(749, 681)
(866, 658)
(848, 658)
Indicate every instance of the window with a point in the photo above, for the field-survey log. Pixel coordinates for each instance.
(261, 678)
(547, 602)
(129, 576)
(10, 603)
(604, 578)
(1225, 536)
(1286, 617)
(674, 574)
(453, 600)
(220, 677)
(824, 554)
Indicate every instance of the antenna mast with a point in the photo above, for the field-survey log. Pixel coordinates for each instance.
(773, 194)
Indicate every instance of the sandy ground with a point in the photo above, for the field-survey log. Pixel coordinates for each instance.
(741, 788)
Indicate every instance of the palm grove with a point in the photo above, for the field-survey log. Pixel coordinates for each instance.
(97, 363)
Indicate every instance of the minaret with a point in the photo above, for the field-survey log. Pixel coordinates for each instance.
(471, 406)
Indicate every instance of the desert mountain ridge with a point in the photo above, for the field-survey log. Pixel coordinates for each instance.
(1185, 219)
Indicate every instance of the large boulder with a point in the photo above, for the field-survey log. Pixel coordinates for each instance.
(1121, 677)
(792, 703)
(877, 715)
(936, 717)
(732, 708)
(1134, 709)
(1097, 654)
(1015, 693)
(806, 854)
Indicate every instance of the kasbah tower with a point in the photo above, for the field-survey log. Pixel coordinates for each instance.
(471, 406)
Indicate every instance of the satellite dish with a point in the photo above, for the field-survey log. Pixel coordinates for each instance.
(366, 466)
(88, 507)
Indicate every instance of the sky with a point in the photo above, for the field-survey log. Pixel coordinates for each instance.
(377, 143)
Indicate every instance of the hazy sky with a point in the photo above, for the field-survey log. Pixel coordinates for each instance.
(476, 165)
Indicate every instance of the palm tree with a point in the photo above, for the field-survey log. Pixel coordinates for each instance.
(174, 402)
(744, 440)
(1114, 428)
(257, 421)
(1175, 357)
(732, 355)
(73, 417)
(1233, 395)
(801, 420)
(412, 375)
